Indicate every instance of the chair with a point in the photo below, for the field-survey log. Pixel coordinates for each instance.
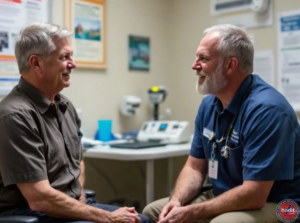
(205, 187)
(29, 219)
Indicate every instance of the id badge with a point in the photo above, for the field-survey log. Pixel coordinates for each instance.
(213, 169)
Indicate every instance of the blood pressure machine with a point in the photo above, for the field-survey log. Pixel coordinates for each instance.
(159, 133)
(165, 131)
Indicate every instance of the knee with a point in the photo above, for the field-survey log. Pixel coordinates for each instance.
(152, 212)
(235, 217)
(225, 218)
(148, 210)
(153, 209)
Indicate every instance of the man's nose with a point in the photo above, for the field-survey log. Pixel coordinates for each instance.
(196, 65)
(72, 64)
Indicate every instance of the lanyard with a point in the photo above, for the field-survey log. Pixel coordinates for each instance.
(225, 149)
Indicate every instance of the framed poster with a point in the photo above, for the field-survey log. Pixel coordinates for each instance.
(86, 19)
(139, 53)
(15, 15)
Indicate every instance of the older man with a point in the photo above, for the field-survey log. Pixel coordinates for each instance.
(41, 166)
(247, 138)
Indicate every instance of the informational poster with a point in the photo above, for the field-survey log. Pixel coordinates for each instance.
(289, 56)
(264, 66)
(87, 21)
(7, 83)
(14, 15)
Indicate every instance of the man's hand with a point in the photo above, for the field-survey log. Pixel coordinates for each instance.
(167, 209)
(125, 215)
(176, 215)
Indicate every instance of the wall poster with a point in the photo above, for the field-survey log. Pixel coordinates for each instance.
(289, 56)
(86, 18)
(139, 53)
(14, 15)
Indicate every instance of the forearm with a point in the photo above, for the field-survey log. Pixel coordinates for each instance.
(57, 204)
(239, 198)
(188, 185)
(82, 176)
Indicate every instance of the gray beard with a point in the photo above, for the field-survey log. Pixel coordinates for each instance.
(213, 83)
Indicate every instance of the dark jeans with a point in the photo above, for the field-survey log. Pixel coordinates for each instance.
(46, 219)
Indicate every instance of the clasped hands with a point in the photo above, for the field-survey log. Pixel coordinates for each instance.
(173, 212)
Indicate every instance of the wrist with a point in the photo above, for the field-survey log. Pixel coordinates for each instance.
(103, 216)
(109, 217)
(194, 211)
(175, 200)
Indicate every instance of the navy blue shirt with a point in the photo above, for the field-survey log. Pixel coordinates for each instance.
(264, 143)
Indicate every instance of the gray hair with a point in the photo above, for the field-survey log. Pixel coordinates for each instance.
(234, 42)
(37, 38)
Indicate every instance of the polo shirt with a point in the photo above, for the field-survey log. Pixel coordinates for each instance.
(39, 140)
(264, 143)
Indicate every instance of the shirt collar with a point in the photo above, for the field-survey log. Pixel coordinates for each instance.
(237, 99)
(217, 105)
(61, 102)
(41, 102)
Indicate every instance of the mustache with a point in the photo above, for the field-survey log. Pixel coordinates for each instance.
(67, 72)
(201, 73)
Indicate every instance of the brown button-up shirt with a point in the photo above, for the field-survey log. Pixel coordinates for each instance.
(39, 140)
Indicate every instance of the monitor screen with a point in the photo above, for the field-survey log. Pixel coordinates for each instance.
(175, 126)
(163, 127)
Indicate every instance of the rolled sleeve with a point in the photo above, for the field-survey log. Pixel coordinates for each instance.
(268, 145)
(22, 150)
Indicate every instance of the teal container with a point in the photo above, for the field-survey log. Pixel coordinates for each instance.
(104, 129)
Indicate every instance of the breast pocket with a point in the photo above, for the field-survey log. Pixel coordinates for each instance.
(75, 149)
(235, 163)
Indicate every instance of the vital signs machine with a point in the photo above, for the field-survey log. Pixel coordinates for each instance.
(169, 132)
(159, 133)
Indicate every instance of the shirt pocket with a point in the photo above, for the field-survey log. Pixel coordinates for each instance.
(56, 156)
(235, 163)
(75, 149)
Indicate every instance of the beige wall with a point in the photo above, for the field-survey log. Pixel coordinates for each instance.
(175, 28)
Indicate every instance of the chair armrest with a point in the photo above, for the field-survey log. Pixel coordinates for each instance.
(206, 187)
(18, 219)
(89, 193)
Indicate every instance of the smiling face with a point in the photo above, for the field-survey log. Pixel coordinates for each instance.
(209, 65)
(56, 69)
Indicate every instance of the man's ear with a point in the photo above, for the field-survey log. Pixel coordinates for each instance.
(35, 63)
(232, 65)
